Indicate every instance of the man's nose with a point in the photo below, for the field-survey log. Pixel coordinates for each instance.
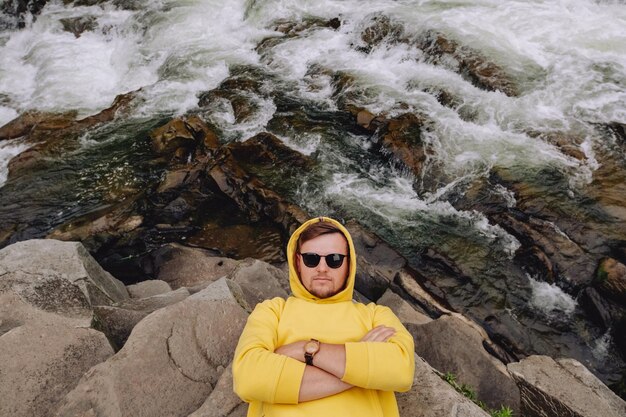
(322, 265)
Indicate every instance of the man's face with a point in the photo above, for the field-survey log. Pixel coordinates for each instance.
(321, 280)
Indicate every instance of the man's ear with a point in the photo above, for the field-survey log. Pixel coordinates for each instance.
(297, 264)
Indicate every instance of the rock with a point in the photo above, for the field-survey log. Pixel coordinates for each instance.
(155, 302)
(381, 30)
(48, 291)
(224, 289)
(176, 179)
(266, 150)
(78, 25)
(611, 279)
(571, 266)
(69, 259)
(563, 387)
(42, 357)
(116, 323)
(260, 281)
(171, 136)
(181, 266)
(31, 121)
(431, 396)
(468, 62)
(401, 137)
(148, 288)
(405, 312)
(251, 195)
(465, 357)
(599, 309)
(222, 401)
(167, 367)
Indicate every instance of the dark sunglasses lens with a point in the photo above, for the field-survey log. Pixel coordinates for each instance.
(334, 260)
(311, 259)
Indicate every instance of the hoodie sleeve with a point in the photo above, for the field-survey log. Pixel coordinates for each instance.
(259, 374)
(385, 366)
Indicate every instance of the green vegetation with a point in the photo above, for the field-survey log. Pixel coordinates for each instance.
(470, 393)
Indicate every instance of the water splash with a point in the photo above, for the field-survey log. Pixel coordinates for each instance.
(550, 299)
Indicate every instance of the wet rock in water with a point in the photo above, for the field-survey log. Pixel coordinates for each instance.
(465, 357)
(181, 266)
(68, 259)
(37, 124)
(167, 367)
(42, 357)
(266, 150)
(78, 25)
(469, 63)
(577, 393)
(20, 8)
(571, 266)
(381, 29)
(431, 396)
(611, 280)
(242, 93)
(55, 134)
(171, 136)
(604, 312)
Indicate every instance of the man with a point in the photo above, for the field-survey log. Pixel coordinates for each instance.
(318, 353)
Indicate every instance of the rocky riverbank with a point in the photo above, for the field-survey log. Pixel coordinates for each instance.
(75, 341)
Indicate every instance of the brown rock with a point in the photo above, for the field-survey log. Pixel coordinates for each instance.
(116, 323)
(401, 137)
(173, 135)
(611, 279)
(27, 122)
(78, 25)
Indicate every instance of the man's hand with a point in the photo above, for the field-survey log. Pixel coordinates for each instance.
(378, 334)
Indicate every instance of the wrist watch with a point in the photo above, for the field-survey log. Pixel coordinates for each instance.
(310, 349)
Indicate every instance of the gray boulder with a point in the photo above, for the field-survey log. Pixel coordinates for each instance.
(451, 344)
(42, 356)
(70, 260)
(181, 266)
(222, 402)
(148, 288)
(563, 387)
(405, 312)
(431, 396)
(224, 289)
(150, 304)
(167, 367)
(260, 281)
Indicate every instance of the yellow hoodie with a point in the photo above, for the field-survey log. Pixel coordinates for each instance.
(271, 382)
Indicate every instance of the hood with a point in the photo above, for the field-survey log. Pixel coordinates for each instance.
(297, 288)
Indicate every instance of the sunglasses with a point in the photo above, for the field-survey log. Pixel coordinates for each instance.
(333, 260)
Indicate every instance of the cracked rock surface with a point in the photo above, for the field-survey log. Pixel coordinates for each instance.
(176, 353)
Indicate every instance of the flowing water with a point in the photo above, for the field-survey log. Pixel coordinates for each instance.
(567, 60)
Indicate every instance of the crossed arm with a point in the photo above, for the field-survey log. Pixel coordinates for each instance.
(324, 379)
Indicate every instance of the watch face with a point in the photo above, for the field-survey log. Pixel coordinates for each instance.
(311, 347)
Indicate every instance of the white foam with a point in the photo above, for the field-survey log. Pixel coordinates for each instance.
(550, 299)
(8, 150)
